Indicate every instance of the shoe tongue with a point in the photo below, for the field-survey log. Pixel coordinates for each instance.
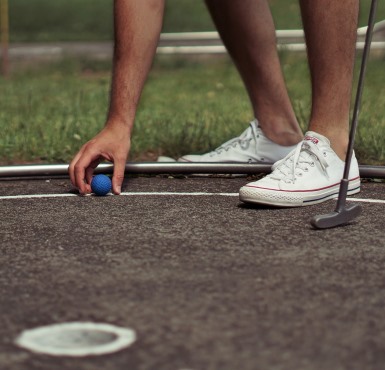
(316, 138)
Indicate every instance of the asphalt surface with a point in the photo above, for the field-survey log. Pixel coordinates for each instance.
(205, 282)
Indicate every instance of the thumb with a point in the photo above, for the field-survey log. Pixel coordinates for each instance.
(118, 177)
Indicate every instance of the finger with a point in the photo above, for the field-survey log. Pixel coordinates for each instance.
(80, 182)
(118, 176)
(80, 172)
(90, 170)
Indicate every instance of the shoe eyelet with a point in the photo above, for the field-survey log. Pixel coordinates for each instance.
(290, 181)
(312, 164)
(306, 169)
(325, 154)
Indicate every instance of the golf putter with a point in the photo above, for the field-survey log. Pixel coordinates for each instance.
(343, 213)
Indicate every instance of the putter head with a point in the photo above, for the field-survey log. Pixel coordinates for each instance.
(338, 217)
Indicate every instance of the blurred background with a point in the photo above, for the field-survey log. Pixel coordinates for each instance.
(56, 68)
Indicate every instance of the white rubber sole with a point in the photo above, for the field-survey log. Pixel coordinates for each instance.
(279, 198)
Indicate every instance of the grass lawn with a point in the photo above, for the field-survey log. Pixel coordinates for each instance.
(187, 107)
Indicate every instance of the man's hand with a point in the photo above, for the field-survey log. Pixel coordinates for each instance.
(137, 26)
(111, 144)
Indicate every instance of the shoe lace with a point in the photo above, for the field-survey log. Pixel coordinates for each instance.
(298, 161)
(243, 141)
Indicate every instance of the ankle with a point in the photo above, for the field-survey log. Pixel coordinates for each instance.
(283, 132)
(339, 139)
(339, 146)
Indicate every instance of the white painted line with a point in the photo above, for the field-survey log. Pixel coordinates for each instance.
(33, 196)
(366, 200)
(199, 194)
(162, 193)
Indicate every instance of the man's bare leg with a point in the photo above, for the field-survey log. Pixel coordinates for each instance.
(331, 28)
(312, 173)
(248, 32)
(137, 27)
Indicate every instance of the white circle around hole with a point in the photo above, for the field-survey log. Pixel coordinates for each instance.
(76, 339)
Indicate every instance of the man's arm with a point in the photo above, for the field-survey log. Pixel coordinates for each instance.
(137, 28)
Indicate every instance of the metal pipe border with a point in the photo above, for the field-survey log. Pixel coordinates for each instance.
(220, 49)
(157, 168)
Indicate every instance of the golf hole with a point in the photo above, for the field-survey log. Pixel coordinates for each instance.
(76, 339)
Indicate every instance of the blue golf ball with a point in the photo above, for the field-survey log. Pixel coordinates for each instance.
(101, 184)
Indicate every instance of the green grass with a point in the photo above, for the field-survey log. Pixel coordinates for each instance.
(186, 107)
(91, 20)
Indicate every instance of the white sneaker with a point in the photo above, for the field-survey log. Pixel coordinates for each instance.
(163, 158)
(309, 174)
(252, 146)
